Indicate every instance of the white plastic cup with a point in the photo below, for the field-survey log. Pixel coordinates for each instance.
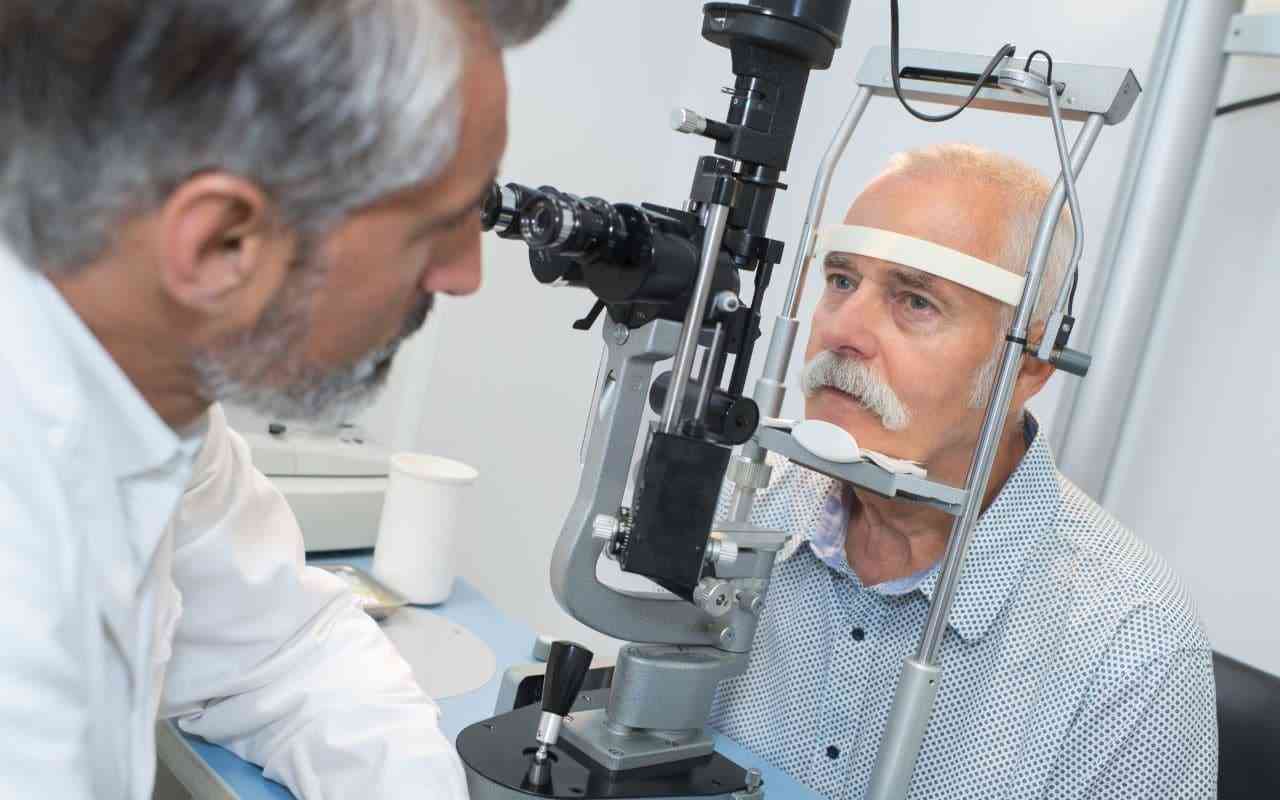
(416, 550)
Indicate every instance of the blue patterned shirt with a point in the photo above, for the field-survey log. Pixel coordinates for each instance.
(1073, 666)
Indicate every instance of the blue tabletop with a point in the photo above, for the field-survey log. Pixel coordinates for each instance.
(512, 643)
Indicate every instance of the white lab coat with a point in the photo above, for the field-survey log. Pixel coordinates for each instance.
(149, 573)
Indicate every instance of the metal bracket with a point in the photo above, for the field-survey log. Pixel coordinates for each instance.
(1108, 91)
(1253, 35)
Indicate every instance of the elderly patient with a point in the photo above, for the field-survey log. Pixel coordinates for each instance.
(1073, 665)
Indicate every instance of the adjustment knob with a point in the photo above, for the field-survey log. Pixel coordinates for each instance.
(567, 666)
(605, 527)
(713, 596)
(685, 121)
(722, 552)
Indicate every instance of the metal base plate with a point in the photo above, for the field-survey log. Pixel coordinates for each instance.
(497, 753)
(586, 731)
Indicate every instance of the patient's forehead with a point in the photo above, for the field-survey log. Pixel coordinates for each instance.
(965, 215)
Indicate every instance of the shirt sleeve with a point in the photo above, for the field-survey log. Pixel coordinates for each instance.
(277, 662)
(1153, 734)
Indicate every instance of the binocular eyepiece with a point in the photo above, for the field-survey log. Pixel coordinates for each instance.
(558, 222)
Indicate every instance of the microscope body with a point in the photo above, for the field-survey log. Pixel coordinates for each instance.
(669, 281)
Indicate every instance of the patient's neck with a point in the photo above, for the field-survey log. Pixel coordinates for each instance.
(891, 539)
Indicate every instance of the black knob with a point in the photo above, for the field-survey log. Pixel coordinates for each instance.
(567, 666)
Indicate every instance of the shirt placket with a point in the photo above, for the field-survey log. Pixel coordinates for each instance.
(850, 664)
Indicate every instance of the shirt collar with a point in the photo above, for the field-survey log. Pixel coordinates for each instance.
(137, 439)
(1015, 522)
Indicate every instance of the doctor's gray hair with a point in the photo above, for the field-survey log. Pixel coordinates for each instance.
(107, 106)
(1024, 191)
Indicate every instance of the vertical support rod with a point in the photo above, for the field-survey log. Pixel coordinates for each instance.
(771, 387)
(717, 219)
(708, 372)
(1160, 169)
(918, 683)
(998, 408)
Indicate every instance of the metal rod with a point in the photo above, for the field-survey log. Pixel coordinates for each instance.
(818, 202)
(771, 388)
(917, 687)
(998, 408)
(708, 371)
(1073, 200)
(717, 219)
(1131, 267)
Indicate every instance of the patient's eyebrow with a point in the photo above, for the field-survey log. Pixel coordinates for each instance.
(913, 278)
(835, 260)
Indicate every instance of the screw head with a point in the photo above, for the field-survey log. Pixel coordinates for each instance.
(621, 333)
(727, 636)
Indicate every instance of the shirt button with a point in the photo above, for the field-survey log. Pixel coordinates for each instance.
(858, 634)
(833, 752)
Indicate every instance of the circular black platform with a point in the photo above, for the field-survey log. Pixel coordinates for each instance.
(497, 752)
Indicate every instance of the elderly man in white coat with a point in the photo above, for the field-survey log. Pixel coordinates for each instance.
(214, 200)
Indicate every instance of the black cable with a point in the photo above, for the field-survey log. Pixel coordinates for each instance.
(1071, 298)
(1005, 52)
(1048, 78)
(1250, 103)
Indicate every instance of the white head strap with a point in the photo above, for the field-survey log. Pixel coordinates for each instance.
(962, 268)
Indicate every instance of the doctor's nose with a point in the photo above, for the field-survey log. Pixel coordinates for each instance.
(458, 272)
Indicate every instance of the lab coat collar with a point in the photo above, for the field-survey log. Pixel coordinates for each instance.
(997, 550)
(138, 440)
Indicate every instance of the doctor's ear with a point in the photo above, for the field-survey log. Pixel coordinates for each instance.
(223, 252)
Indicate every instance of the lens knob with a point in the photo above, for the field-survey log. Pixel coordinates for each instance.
(684, 120)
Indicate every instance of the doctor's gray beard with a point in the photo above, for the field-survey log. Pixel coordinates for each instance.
(263, 369)
(859, 381)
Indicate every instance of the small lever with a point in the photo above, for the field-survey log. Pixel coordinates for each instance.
(567, 666)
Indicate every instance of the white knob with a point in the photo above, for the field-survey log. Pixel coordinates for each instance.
(722, 552)
(685, 121)
(605, 527)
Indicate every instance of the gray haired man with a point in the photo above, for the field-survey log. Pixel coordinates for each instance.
(212, 200)
(1073, 665)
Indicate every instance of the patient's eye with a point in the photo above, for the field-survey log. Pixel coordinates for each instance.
(840, 282)
(918, 303)
(917, 307)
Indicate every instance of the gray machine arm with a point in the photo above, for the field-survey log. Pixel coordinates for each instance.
(615, 424)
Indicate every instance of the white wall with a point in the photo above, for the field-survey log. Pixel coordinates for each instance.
(508, 382)
(1196, 471)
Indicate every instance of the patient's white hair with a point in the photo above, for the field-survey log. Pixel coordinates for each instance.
(1024, 191)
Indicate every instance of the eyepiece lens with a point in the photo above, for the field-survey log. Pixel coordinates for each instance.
(491, 208)
(541, 222)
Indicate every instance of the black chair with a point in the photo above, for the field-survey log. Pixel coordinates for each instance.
(1248, 730)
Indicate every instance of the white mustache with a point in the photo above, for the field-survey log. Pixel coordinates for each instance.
(859, 381)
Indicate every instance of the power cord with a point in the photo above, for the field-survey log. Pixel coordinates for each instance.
(1250, 103)
(1005, 52)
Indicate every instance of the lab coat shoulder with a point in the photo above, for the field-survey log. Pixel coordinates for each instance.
(45, 691)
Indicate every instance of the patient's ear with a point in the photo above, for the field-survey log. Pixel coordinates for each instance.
(1033, 373)
(223, 254)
